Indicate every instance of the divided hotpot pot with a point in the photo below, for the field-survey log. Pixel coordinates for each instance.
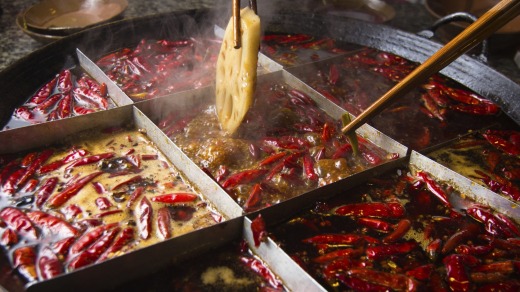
(24, 77)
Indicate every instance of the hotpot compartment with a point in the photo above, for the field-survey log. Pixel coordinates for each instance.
(289, 143)
(418, 226)
(437, 111)
(98, 197)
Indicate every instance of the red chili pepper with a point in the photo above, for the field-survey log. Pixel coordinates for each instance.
(149, 156)
(457, 277)
(258, 230)
(24, 259)
(434, 188)
(333, 74)
(438, 97)
(334, 239)
(6, 171)
(397, 282)
(18, 220)
(89, 238)
(124, 237)
(108, 213)
(360, 285)
(346, 252)
(480, 109)
(64, 81)
(492, 224)
(45, 106)
(90, 97)
(60, 198)
(308, 166)
(243, 177)
(9, 185)
(54, 225)
(49, 265)
(509, 224)
(501, 143)
(433, 108)
(144, 214)
(422, 273)
(35, 165)
(103, 203)
(468, 231)
(100, 189)
(385, 251)
(90, 159)
(65, 106)
(61, 247)
(339, 265)
(376, 224)
(43, 93)
(474, 249)
(258, 267)
(90, 255)
(375, 209)
(45, 190)
(132, 180)
(254, 198)
(400, 230)
(272, 158)
(164, 223)
(175, 198)
(134, 196)
(30, 186)
(9, 238)
(342, 151)
(24, 113)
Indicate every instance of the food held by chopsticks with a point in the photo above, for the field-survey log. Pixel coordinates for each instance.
(236, 71)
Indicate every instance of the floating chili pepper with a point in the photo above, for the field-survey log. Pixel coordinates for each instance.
(91, 254)
(90, 159)
(43, 93)
(253, 198)
(45, 190)
(258, 230)
(9, 238)
(60, 198)
(89, 238)
(49, 265)
(124, 237)
(144, 214)
(108, 213)
(346, 252)
(24, 260)
(243, 177)
(361, 285)
(434, 188)
(458, 279)
(258, 267)
(164, 223)
(376, 224)
(398, 282)
(175, 198)
(53, 224)
(385, 251)
(18, 221)
(376, 209)
(334, 239)
(103, 203)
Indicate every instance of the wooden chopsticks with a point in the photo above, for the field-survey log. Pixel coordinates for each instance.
(237, 40)
(487, 24)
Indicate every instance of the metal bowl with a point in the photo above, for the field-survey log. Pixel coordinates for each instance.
(40, 37)
(59, 17)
